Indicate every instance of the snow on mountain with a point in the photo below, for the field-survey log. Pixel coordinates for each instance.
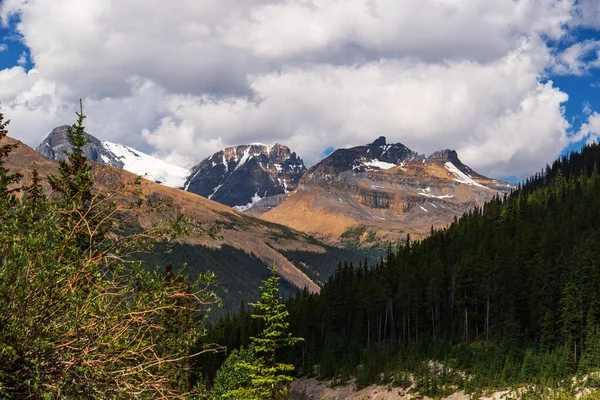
(379, 164)
(241, 176)
(147, 166)
(460, 176)
(116, 155)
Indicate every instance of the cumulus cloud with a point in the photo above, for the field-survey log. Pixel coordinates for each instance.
(183, 79)
(490, 112)
(3, 47)
(589, 131)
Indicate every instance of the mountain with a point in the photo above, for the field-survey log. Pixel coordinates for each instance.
(115, 155)
(240, 257)
(365, 194)
(243, 175)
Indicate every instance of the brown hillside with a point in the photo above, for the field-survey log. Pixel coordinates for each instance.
(409, 198)
(240, 231)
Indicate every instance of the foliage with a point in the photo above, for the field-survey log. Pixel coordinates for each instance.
(78, 319)
(269, 379)
(239, 274)
(231, 376)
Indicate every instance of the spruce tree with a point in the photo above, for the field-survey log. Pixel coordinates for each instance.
(74, 184)
(7, 194)
(269, 379)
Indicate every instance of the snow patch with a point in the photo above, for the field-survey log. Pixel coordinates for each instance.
(461, 177)
(244, 158)
(427, 193)
(379, 164)
(423, 208)
(255, 199)
(225, 164)
(147, 166)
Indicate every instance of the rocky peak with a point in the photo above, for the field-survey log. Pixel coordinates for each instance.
(115, 155)
(57, 143)
(381, 141)
(448, 157)
(240, 176)
(443, 156)
(376, 156)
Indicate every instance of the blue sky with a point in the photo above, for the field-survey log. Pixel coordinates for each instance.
(12, 46)
(182, 80)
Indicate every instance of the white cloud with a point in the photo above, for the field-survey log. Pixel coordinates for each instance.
(589, 131)
(490, 112)
(22, 58)
(587, 13)
(578, 59)
(186, 78)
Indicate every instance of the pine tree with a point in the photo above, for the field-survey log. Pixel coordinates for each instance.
(270, 379)
(7, 194)
(571, 318)
(74, 184)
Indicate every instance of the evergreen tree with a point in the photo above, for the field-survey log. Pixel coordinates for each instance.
(269, 379)
(7, 194)
(231, 376)
(75, 180)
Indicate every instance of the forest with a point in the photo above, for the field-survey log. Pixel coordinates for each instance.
(508, 294)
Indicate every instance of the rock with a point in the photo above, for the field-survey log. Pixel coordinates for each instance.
(379, 142)
(368, 194)
(57, 142)
(243, 175)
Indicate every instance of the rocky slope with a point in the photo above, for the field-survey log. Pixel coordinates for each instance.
(383, 191)
(115, 155)
(241, 176)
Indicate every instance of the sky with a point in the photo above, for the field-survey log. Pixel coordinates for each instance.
(509, 84)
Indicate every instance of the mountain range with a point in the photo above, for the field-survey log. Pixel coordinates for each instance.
(356, 197)
(382, 192)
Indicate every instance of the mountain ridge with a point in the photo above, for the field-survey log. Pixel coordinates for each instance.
(240, 176)
(386, 190)
(116, 155)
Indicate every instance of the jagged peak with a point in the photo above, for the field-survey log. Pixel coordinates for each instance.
(380, 141)
(445, 155)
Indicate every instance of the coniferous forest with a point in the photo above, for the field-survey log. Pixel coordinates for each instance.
(508, 294)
